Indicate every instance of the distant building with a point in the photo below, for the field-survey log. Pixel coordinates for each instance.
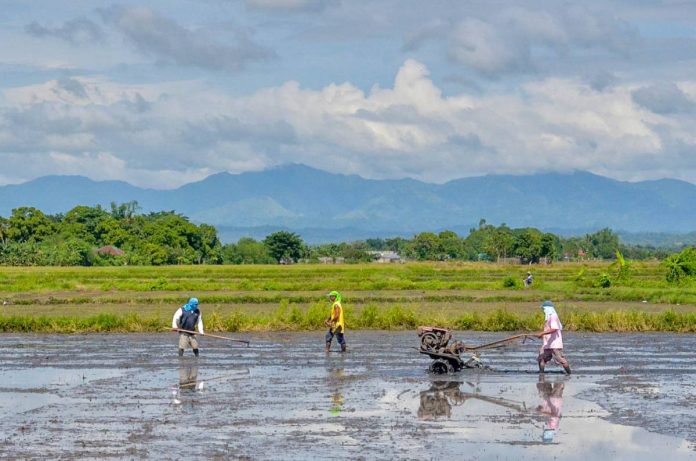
(582, 254)
(383, 257)
(110, 250)
(331, 260)
(514, 260)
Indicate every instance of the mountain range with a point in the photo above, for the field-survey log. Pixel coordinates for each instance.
(323, 206)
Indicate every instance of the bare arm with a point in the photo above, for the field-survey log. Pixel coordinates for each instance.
(546, 332)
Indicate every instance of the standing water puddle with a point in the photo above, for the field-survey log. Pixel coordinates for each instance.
(131, 397)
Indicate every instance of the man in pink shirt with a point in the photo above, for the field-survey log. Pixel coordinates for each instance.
(552, 347)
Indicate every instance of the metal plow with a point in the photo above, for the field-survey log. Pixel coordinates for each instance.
(447, 357)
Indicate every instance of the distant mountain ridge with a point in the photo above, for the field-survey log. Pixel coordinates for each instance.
(297, 197)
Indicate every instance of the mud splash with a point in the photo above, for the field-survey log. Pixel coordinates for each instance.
(131, 397)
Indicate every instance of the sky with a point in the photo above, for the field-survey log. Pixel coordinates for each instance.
(167, 92)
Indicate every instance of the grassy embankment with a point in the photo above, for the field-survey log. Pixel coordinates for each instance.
(254, 298)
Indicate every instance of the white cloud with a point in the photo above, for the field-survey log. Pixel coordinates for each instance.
(165, 135)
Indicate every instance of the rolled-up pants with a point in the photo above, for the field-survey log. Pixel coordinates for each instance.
(546, 355)
(187, 340)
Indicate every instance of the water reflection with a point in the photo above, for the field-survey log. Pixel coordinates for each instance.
(185, 392)
(552, 402)
(437, 402)
(336, 382)
(190, 385)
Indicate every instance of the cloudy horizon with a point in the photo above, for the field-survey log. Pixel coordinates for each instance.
(163, 93)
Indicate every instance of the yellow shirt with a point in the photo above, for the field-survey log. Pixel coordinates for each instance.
(339, 322)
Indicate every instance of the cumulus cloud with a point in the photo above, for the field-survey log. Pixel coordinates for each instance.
(76, 31)
(169, 42)
(289, 5)
(513, 39)
(664, 98)
(409, 128)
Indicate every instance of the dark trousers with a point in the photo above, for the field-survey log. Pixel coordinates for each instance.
(339, 336)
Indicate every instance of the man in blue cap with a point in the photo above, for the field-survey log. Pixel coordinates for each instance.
(552, 347)
(188, 317)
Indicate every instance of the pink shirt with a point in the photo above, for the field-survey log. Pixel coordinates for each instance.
(554, 340)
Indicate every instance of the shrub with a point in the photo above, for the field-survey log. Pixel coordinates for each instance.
(511, 282)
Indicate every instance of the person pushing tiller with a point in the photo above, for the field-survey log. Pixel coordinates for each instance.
(552, 347)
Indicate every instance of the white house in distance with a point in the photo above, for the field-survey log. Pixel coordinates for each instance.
(385, 256)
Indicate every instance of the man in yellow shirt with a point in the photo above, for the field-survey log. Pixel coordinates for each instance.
(335, 322)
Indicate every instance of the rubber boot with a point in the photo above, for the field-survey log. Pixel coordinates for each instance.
(328, 347)
(181, 352)
(195, 352)
(567, 369)
(541, 368)
(344, 347)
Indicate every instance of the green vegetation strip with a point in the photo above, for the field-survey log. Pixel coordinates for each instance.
(294, 318)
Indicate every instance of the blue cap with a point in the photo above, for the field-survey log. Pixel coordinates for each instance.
(547, 304)
(193, 302)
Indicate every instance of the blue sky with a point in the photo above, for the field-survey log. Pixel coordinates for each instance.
(162, 93)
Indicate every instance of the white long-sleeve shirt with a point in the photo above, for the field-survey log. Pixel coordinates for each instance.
(177, 316)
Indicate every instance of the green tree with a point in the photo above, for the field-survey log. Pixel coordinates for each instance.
(550, 246)
(681, 265)
(284, 246)
(603, 243)
(498, 242)
(528, 245)
(82, 222)
(452, 246)
(124, 210)
(4, 226)
(29, 224)
(426, 247)
(246, 251)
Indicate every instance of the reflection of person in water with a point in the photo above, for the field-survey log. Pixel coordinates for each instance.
(188, 383)
(335, 384)
(188, 376)
(552, 395)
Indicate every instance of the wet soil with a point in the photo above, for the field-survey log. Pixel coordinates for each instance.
(631, 396)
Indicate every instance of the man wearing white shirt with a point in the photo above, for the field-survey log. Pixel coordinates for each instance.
(188, 317)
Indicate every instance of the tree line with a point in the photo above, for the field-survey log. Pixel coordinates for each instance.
(483, 243)
(30, 237)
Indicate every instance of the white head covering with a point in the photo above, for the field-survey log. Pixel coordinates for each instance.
(550, 310)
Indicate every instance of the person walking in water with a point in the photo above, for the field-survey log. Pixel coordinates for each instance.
(552, 347)
(335, 322)
(188, 317)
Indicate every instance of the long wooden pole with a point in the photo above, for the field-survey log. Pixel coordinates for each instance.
(212, 336)
(499, 342)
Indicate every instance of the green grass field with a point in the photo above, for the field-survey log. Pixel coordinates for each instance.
(401, 296)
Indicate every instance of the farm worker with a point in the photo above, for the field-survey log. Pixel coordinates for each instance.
(188, 317)
(528, 280)
(335, 322)
(552, 346)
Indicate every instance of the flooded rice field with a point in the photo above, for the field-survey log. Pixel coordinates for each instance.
(631, 396)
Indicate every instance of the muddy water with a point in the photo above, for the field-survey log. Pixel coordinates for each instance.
(130, 397)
